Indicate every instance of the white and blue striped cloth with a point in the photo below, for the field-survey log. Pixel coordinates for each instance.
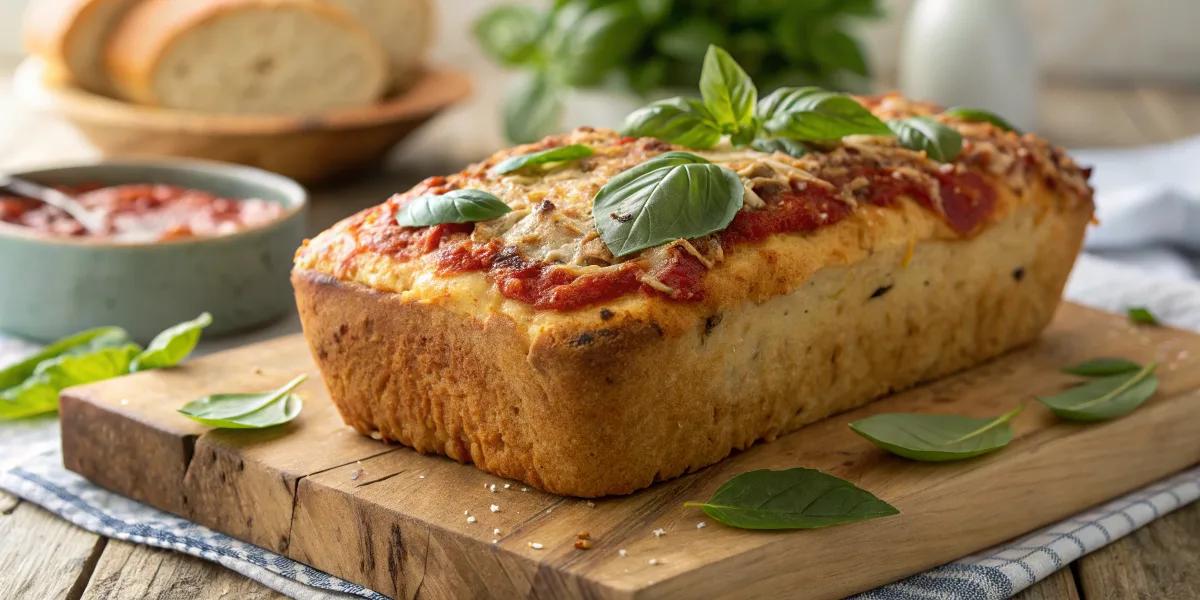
(1139, 262)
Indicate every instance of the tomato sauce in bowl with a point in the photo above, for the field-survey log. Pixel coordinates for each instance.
(144, 213)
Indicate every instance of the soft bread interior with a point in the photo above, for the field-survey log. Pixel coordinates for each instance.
(404, 27)
(270, 60)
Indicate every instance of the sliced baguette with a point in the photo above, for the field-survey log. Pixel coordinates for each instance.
(246, 56)
(404, 27)
(70, 36)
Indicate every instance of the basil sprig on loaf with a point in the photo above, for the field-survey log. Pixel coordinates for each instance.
(785, 121)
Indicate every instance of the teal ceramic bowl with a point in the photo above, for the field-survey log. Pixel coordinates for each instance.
(51, 286)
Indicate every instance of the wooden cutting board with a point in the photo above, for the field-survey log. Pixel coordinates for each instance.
(393, 520)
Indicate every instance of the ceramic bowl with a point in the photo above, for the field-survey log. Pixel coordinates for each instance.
(53, 286)
(308, 148)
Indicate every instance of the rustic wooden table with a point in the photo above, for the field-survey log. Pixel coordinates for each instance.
(43, 557)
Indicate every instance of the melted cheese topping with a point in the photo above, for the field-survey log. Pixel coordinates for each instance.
(551, 221)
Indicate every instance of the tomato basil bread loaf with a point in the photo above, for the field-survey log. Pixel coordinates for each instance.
(521, 343)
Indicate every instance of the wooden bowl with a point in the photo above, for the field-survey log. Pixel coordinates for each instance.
(307, 148)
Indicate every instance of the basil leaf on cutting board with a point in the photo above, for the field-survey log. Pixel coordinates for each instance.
(672, 196)
(791, 499)
(976, 115)
(456, 206)
(939, 141)
(170, 347)
(38, 394)
(1142, 316)
(1099, 367)
(729, 94)
(680, 121)
(936, 438)
(553, 155)
(247, 411)
(812, 114)
(93, 338)
(1104, 397)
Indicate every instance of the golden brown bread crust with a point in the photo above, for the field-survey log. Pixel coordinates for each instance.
(609, 399)
(50, 28)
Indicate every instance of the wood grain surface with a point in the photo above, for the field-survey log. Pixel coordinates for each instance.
(396, 521)
(128, 570)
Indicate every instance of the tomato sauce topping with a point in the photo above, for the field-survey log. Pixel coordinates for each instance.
(144, 212)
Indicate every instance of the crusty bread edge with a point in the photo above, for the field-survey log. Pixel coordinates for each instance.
(46, 29)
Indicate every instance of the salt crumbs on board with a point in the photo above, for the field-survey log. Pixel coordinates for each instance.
(535, 545)
(506, 486)
(700, 525)
(492, 488)
(376, 435)
(356, 474)
(653, 561)
(591, 504)
(494, 508)
(622, 552)
(470, 519)
(660, 532)
(496, 531)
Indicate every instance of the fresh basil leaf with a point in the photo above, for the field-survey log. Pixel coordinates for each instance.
(936, 438)
(746, 135)
(680, 121)
(785, 145)
(812, 114)
(1099, 367)
(170, 347)
(783, 101)
(1105, 397)
(676, 195)
(791, 499)
(976, 115)
(585, 45)
(86, 340)
(939, 141)
(456, 206)
(38, 394)
(729, 94)
(509, 33)
(1142, 316)
(553, 155)
(835, 50)
(247, 411)
(532, 109)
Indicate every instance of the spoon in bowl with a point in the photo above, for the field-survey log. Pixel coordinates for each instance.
(24, 188)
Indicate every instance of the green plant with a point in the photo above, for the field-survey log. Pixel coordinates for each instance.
(646, 45)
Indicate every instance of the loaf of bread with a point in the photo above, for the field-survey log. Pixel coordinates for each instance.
(523, 345)
(404, 27)
(70, 36)
(246, 56)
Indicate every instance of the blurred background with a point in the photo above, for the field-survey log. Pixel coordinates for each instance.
(1110, 72)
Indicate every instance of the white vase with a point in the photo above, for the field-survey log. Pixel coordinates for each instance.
(974, 53)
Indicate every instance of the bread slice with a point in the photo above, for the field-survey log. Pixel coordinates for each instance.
(404, 27)
(246, 56)
(70, 36)
(522, 345)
